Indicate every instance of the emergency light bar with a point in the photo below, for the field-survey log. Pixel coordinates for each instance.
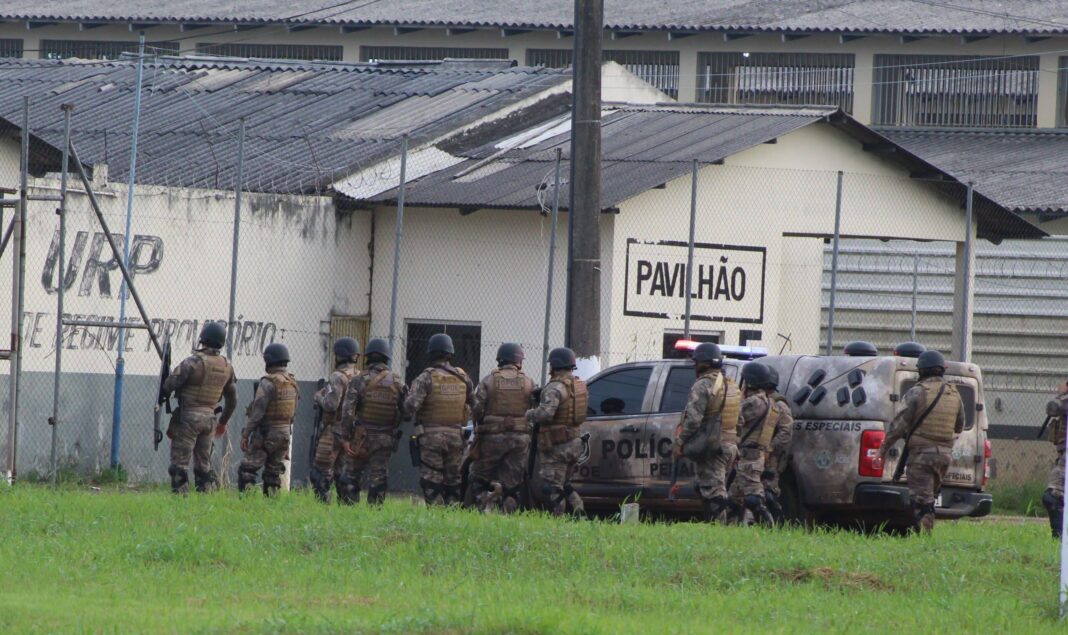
(734, 352)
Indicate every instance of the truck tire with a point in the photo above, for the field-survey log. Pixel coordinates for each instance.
(793, 505)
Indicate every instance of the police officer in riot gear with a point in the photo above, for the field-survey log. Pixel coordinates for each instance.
(502, 434)
(930, 421)
(266, 437)
(327, 463)
(756, 427)
(776, 459)
(200, 380)
(441, 399)
(1053, 497)
(560, 412)
(707, 434)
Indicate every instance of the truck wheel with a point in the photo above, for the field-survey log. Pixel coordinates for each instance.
(792, 504)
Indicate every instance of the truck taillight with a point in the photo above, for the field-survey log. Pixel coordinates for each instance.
(987, 453)
(871, 464)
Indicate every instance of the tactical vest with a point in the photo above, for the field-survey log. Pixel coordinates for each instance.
(283, 407)
(572, 409)
(1058, 428)
(444, 404)
(940, 424)
(378, 403)
(732, 408)
(507, 399)
(347, 373)
(761, 437)
(205, 394)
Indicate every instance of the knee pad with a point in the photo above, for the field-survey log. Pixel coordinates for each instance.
(1052, 502)
(179, 477)
(754, 503)
(376, 494)
(205, 481)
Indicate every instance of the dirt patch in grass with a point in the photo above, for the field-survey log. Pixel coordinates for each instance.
(835, 579)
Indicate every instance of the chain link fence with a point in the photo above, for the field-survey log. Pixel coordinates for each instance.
(308, 260)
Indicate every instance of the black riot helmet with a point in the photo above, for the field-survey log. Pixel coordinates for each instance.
(276, 354)
(378, 350)
(756, 375)
(510, 353)
(440, 345)
(861, 349)
(213, 335)
(773, 379)
(931, 363)
(346, 349)
(562, 358)
(707, 354)
(909, 349)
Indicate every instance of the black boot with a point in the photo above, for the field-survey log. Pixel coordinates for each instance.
(321, 484)
(179, 479)
(205, 481)
(761, 514)
(245, 479)
(1055, 508)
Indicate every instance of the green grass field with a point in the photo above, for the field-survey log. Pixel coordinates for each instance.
(77, 561)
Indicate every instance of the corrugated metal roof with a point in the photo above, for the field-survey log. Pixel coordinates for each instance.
(643, 147)
(848, 16)
(307, 124)
(1025, 171)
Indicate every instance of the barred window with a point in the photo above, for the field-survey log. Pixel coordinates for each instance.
(659, 68)
(100, 50)
(427, 53)
(10, 48)
(272, 51)
(951, 90)
(776, 78)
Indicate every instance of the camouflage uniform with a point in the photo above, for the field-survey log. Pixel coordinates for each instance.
(503, 437)
(370, 421)
(776, 460)
(327, 463)
(756, 424)
(1053, 497)
(200, 380)
(558, 416)
(713, 407)
(930, 446)
(441, 398)
(268, 431)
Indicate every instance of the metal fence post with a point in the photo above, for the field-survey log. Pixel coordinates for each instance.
(61, 280)
(966, 287)
(552, 266)
(238, 185)
(834, 265)
(120, 360)
(18, 270)
(397, 245)
(915, 276)
(689, 252)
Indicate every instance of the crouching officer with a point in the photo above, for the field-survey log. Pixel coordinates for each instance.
(557, 418)
(328, 456)
(201, 380)
(440, 400)
(777, 457)
(370, 426)
(503, 434)
(1053, 497)
(756, 426)
(932, 417)
(265, 439)
(708, 432)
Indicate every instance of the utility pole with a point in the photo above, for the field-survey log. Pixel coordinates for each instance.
(583, 329)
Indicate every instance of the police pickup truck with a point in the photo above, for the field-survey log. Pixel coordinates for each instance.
(841, 407)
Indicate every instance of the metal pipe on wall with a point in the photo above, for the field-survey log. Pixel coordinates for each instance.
(552, 266)
(834, 265)
(689, 250)
(61, 284)
(397, 246)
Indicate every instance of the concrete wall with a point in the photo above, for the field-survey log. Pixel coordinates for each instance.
(689, 48)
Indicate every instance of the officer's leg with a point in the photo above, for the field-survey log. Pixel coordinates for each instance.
(511, 472)
(432, 469)
(922, 487)
(321, 473)
(574, 501)
(378, 468)
(453, 460)
(203, 474)
(182, 444)
(552, 470)
(1053, 498)
(276, 445)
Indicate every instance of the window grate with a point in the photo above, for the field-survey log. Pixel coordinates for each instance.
(355, 327)
(429, 53)
(10, 48)
(100, 50)
(950, 90)
(776, 78)
(659, 68)
(272, 51)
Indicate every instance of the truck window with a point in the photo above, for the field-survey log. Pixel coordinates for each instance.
(677, 390)
(619, 393)
(967, 399)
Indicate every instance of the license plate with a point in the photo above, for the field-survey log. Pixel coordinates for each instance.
(938, 501)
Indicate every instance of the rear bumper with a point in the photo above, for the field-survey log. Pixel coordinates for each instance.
(958, 502)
